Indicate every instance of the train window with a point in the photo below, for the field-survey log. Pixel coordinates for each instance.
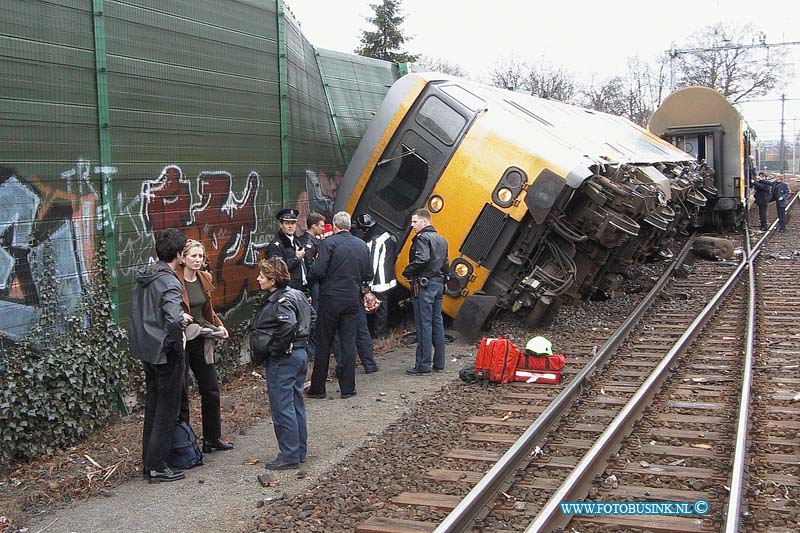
(441, 120)
(408, 184)
(464, 97)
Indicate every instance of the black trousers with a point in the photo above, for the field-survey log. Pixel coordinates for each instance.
(162, 406)
(378, 321)
(781, 217)
(208, 385)
(762, 215)
(336, 315)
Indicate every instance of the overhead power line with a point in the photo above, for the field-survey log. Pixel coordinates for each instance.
(675, 52)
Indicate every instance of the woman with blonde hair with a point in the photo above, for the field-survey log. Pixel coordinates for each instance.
(197, 287)
(278, 339)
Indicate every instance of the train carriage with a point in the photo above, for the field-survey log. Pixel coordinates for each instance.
(701, 121)
(541, 202)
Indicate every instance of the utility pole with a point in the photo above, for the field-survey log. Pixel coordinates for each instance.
(781, 155)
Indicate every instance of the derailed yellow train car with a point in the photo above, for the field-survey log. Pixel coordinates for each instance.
(701, 121)
(541, 202)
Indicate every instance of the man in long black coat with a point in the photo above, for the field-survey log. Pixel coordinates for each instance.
(343, 268)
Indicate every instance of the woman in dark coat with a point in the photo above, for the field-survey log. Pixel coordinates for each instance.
(278, 339)
(197, 287)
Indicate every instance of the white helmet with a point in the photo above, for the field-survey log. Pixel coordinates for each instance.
(539, 345)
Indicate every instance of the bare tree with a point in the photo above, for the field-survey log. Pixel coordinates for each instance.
(716, 61)
(544, 81)
(437, 64)
(634, 95)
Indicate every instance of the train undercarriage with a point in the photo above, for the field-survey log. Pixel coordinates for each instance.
(623, 215)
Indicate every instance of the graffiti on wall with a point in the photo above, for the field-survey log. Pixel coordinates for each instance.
(223, 221)
(36, 215)
(65, 215)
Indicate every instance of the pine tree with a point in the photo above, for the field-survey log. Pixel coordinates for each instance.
(386, 41)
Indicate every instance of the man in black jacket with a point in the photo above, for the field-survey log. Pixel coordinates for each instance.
(310, 241)
(763, 196)
(426, 272)
(343, 268)
(288, 247)
(156, 339)
(780, 195)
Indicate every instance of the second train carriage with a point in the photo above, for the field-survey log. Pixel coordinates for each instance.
(541, 202)
(701, 121)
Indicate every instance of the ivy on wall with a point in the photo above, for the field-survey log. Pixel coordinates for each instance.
(57, 388)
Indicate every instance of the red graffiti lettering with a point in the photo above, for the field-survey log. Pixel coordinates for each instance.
(222, 222)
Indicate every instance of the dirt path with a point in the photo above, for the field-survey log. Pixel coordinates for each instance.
(223, 495)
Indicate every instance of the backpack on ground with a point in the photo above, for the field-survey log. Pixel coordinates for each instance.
(467, 374)
(184, 452)
(496, 360)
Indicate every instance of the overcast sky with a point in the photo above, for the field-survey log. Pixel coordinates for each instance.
(588, 38)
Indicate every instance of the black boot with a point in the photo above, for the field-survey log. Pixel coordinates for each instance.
(216, 444)
(167, 474)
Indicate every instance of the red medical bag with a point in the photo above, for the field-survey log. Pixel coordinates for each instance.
(496, 360)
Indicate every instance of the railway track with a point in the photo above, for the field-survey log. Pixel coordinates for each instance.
(475, 459)
(634, 435)
(774, 458)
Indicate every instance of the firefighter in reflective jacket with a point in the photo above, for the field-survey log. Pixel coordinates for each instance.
(383, 250)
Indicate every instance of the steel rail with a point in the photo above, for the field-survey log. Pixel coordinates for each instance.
(737, 491)
(549, 518)
(483, 494)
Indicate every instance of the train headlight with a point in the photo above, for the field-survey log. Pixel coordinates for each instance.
(435, 204)
(460, 272)
(508, 188)
(505, 195)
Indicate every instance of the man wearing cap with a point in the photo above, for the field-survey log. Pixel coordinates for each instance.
(289, 248)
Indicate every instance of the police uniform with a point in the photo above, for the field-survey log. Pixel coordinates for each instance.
(285, 246)
(279, 336)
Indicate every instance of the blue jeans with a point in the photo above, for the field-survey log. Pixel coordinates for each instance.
(430, 326)
(285, 377)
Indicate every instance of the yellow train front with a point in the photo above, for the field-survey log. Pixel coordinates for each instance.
(541, 202)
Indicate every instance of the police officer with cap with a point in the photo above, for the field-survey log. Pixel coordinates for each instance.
(288, 247)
